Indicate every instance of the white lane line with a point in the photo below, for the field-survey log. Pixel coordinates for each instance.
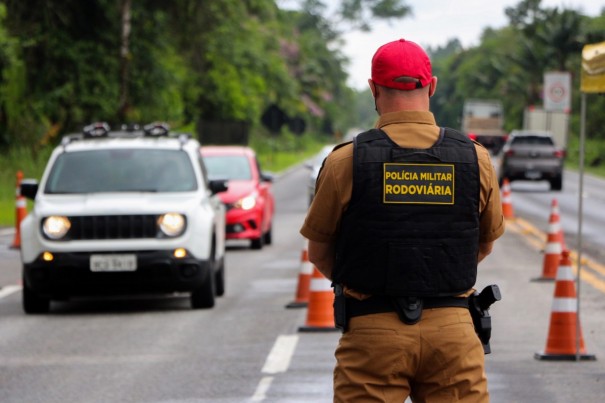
(8, 290)
(279, 358)
(277, 361)
(261, 390)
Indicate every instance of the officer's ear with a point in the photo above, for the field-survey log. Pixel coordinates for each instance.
(373, 87)
(432, 86)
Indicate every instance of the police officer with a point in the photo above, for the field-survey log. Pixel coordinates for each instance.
(400, 219)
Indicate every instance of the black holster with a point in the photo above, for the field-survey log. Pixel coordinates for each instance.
(409, 309)
(479, 304)
(340, 308)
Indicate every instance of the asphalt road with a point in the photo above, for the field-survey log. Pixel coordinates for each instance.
(249, 349)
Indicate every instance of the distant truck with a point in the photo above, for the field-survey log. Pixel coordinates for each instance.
(557, 123)
(483, 121)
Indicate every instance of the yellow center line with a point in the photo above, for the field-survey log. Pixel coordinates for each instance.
(537, 239)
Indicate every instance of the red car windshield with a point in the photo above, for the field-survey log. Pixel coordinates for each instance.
(230, 167)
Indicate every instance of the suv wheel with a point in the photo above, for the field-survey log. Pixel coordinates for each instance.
(220, 278)
(32, 302)
(203, 297)
(556, 183)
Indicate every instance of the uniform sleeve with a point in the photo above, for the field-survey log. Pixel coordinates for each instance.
(323, 218)
(491, 224)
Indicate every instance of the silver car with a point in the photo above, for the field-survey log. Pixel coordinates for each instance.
(532, 155)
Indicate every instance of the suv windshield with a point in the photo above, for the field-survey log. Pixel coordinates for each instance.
(122, 170)
(228, 167)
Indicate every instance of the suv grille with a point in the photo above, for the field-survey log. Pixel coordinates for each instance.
(113, 227)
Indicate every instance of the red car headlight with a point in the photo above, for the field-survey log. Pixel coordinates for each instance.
(246, 203)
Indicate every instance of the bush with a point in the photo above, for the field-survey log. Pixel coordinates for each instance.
(30, 163)
(594, 152)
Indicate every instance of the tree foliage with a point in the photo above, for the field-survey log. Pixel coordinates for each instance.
(509, 64)
(65, 63)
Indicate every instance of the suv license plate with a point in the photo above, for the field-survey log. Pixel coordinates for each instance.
(113, 263)
(533, 175)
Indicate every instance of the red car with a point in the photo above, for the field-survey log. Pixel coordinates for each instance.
(249, 198)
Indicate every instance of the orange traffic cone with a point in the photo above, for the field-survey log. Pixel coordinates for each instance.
(320, 314)
(562, 342)
(21, 212)
(301, 299)
(507, 202)
(554, 223)
(552, 251)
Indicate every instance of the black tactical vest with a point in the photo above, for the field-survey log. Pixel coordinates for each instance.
(412, 225)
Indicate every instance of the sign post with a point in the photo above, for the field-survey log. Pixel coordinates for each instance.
(592, 80)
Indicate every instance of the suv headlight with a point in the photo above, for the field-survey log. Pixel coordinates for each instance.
(55, 227)
(172, 224)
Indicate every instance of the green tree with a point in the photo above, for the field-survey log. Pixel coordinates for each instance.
(65, 73)
(12, 82)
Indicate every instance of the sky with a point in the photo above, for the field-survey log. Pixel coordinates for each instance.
(434, 23)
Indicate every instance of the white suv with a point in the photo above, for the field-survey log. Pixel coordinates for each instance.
(123, 212)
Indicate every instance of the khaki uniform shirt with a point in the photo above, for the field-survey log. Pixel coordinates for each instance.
(410, 129)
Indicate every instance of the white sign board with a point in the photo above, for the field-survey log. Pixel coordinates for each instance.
(557, 91)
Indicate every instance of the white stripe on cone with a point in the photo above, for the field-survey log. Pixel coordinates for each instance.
(565, 305)
(320, 284)
(565, 273)
(553, 248)
(554, 227)
(306, 268)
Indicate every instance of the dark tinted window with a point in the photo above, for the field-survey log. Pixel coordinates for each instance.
(533, 140)
(122, 170)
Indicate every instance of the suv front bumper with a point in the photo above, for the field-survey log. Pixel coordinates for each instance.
(69, 274)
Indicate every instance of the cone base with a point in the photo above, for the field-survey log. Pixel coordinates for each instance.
(564, 357)
(295, 304)
(543, 279)
(318, 329)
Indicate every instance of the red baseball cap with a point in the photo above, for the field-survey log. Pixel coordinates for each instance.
(401, 58)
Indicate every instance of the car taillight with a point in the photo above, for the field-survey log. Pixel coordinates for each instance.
(509, 153)
(559, 153)
(472, 136)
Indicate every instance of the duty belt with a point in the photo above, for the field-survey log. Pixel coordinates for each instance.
(382, 304)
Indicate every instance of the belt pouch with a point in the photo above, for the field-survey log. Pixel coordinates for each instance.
(409, 309)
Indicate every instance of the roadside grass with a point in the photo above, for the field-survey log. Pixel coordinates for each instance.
(275, 155)
(31, 164)
(594, 158)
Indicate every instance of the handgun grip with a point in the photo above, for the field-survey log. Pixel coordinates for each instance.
(488, 296)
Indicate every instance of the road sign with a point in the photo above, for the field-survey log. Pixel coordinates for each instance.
(593, 68)
(274, 118)
(557, 91)
(297, 125)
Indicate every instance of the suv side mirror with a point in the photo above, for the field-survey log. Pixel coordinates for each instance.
(217, 186)
(29, 188)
